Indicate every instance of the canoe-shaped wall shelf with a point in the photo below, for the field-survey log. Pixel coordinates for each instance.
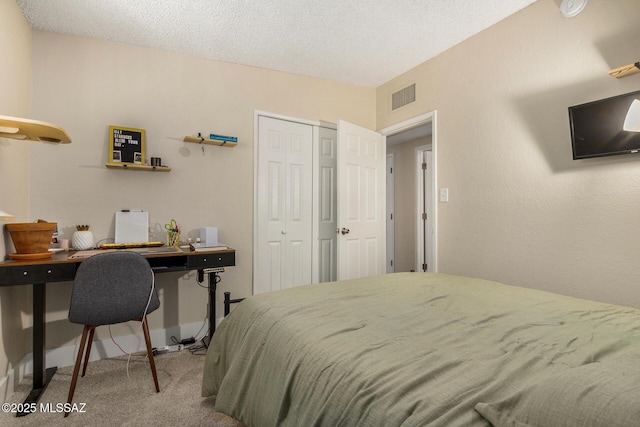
(32, 130)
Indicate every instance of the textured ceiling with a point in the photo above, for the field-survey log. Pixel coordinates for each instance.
(364, 42)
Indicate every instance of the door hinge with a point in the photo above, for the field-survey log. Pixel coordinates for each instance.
(391, 263)
(424, 165)
(424, 267)
(391, 217)
(424, 216)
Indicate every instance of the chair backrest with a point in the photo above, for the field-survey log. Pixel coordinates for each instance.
(112, 287)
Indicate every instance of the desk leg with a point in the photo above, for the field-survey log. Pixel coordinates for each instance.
(213, 284)
(41, 375)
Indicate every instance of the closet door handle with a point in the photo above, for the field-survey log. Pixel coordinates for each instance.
(283, 232)
(344, 231)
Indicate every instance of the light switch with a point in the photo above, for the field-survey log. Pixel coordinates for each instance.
(444, 195)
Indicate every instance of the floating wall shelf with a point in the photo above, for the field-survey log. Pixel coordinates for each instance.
(137, 167)
(625, 71)
(32, 130)
(201, 140)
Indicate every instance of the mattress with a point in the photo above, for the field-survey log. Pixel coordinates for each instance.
(415, 349)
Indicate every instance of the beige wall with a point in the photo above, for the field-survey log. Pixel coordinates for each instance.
(520, 210)
(86, 85)
(15, 89)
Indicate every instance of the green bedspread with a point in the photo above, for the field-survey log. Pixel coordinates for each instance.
(417, 349)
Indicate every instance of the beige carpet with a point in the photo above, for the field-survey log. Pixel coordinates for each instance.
(113, 399)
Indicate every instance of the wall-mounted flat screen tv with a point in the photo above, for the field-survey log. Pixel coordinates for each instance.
(596, 128)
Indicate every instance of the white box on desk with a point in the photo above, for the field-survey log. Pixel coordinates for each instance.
(209, 236)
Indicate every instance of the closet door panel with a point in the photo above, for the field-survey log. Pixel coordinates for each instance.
(283, 211)
(325, 205)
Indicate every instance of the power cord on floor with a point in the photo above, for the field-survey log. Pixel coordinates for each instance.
(200, 348)
(186, 341)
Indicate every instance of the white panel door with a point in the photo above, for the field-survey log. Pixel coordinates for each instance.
(361, 202)
(326, 205)
(284, 205)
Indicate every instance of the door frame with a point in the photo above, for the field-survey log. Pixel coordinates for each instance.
(423, 119)
(390, 212)
(424, 204)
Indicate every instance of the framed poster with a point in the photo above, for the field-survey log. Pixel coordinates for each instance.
(126, 145)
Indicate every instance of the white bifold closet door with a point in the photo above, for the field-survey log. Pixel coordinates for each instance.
(318, 229)
(325, 259)
(284, 205)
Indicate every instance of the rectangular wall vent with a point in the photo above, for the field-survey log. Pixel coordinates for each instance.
(403, 97)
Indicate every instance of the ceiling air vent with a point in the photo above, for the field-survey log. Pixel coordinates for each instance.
(403, 97)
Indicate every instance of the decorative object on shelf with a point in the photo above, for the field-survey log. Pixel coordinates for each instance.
(625, 71)
(126, 145)
(6, 216)
(213, 136)
(32, 130)
(82, 238)
(227, 141)
(31, 239)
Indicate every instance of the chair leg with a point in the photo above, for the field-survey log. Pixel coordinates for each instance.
(76, 369)
(88, 352)
(145, 328)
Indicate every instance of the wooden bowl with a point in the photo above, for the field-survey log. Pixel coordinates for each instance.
(31, 237)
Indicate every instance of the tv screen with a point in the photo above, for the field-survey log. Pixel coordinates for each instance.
(596, 128)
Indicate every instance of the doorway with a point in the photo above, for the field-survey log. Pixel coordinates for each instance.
(411, 209)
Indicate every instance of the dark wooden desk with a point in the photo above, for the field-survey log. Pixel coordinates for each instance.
(62, 268)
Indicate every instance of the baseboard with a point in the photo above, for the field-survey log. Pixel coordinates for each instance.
(7, 385)
(14, 375)
(103, 349)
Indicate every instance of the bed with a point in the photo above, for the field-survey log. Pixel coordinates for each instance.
(416, 349)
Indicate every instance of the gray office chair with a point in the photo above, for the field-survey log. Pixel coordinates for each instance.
(109, 288)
